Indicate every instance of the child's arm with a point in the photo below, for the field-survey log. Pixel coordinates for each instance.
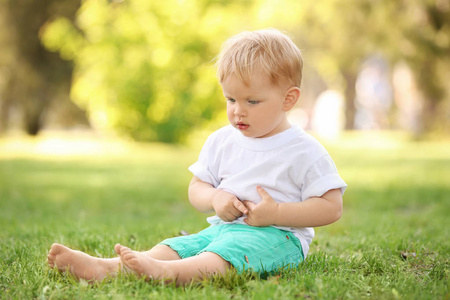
(205, 198)
(315, 211)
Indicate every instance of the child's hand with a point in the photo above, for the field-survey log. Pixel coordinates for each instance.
(263, 213)
(227, 206)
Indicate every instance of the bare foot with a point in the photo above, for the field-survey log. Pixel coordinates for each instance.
(82, 265)
(141, 264)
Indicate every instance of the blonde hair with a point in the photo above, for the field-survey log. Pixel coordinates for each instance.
(269, 49)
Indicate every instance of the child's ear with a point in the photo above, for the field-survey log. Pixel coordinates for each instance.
(292, 96)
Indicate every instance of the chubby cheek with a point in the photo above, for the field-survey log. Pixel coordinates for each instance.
(230, 114)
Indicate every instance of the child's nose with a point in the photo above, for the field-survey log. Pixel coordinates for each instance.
(239, 110)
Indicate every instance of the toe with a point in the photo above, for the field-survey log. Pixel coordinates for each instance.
(126, 254)
(117, 248)
(55, 249)
(51, 260)
(124, 249)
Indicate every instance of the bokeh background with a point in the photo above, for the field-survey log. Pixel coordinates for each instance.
(105, 103)
(144, 69)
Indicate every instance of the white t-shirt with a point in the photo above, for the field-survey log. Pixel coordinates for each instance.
(291, 166)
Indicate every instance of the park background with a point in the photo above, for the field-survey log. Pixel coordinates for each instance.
(104, 105)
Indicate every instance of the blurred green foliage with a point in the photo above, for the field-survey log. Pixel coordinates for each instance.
(143, 67)
(146, 67)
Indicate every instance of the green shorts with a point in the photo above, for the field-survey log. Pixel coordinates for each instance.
(260, 249)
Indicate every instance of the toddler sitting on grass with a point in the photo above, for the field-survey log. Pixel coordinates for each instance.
(267, 182)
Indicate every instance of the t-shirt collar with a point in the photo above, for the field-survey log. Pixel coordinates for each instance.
(268, 143)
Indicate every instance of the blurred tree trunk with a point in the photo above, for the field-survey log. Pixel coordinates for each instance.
(5, 106)
(350, 94)
(425, 46)
(434, 92)
(32, 75)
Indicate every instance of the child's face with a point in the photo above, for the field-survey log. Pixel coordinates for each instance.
(256, 110)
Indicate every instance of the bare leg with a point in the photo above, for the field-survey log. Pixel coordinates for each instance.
(162, 252)
(181, 271)
(82, 265)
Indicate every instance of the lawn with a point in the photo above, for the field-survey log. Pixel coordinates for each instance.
(391, 243)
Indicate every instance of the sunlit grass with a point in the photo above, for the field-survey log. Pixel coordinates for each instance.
(92, 192)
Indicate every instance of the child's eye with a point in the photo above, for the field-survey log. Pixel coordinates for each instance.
(253, 102)
(231, 100)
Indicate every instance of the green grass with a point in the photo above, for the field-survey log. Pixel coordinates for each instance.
(391, 243)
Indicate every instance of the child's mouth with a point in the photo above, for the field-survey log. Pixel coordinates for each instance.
(242, 126)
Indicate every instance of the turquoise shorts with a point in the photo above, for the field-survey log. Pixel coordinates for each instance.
(260, 249)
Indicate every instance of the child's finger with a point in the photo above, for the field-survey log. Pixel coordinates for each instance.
(240, 206)
(263, 193)
(249, 205)
(228, 217)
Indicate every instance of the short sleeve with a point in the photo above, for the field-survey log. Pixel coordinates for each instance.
(202, 168)
(321, 177)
